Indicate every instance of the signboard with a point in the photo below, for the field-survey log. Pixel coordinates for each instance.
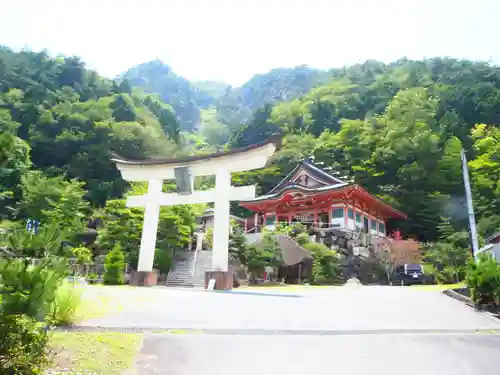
(211, 284)
(32, 225)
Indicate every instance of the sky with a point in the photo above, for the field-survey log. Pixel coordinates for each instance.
(231, 40)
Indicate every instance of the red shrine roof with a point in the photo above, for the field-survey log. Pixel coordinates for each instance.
(307, 186)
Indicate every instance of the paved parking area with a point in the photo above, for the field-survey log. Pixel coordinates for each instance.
(336, 308)
(354, 330)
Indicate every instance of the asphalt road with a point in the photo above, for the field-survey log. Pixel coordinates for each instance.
(359, 330)
(373, 354)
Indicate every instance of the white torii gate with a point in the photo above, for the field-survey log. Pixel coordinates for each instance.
(183, 170)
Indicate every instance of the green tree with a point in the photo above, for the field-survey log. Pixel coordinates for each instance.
(28, 289)
(326, 264)
(114, 266)
(265, 253)
(124, 225)
(124, 87)
(483, 279)
(485, 168)
(123, 109)
(14, 162)
(238, 247)
(257, 130)
(450, 255)
(52, 200)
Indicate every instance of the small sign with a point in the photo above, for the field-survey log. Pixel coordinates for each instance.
(32, 225)
(211, 284)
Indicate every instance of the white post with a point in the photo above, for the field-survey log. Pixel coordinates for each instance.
(150, 227)
(221, 221)
(470, 206)
(199, 241)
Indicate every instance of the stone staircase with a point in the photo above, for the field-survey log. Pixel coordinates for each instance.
(182, 275)
(203, 264)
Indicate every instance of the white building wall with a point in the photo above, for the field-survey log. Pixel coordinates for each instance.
(338, 222)
(351, 223)
(378, 231)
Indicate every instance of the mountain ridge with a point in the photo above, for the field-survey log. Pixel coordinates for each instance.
(234, 105)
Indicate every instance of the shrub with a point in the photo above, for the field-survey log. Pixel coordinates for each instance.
(483, 279)
(114, 266)
(326, 264)
(63, 308)
(28, 289)
(303, 239)
(208, 239)
(23, 347)
(163, 260)
(430, 273)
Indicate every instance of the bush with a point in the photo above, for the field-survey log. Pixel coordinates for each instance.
(430, 273)
(63, 308)
(483, 280)
(302, 239)
(326, 264)
(27, 289)
(23, 346)
(208, 239)
(114, 266)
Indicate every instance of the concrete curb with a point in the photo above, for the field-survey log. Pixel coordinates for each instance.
(451, 293)
(459, 297)
(274, 332)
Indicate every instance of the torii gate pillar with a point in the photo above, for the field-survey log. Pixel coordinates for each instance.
(183, 170)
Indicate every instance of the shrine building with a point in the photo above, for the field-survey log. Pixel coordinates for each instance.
(311, 196)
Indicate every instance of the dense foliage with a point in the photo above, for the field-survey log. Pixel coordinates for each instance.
(69, 119)
(326, 267)
(114, 266)
(396, 129)
(24, 348)
(29, 290)
(124, 225)
(232, 105)
(483, 280)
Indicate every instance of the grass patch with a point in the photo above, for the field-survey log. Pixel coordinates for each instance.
(107, 353)
(97, 301)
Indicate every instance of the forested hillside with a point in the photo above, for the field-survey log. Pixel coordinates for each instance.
(59, 118)
(232, 105)
(396, 129)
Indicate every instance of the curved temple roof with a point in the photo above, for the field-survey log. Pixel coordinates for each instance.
(341, 187)
(276, 140)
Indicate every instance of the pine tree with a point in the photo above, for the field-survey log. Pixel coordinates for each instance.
(445, 228)
(114, 266)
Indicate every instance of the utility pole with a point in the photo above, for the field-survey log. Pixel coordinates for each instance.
(470, 207)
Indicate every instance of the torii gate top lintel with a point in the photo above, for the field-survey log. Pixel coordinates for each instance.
(236, 160)
(220, 164)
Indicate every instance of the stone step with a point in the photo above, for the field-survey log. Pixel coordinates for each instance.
(182, 273)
